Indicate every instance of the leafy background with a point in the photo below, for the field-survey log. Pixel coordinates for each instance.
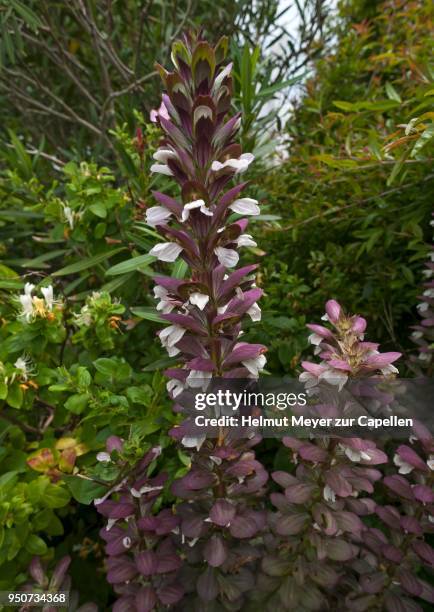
(338, 110)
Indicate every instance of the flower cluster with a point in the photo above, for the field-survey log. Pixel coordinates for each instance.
(343, 351)
(34, 307)
(59, 582)
(100, 316)
(423, 334)
(143, 563)
(324, 554)
(200, 152)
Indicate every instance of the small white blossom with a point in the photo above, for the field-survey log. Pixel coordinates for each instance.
(199, 299)
(200, 204)
(239, 165)
(245, 206)
(24, 364)
(161, 169)
(193, 441)
(254, 312)
(166, 251)
(69, 215)
(245, 240)
(227, 257)
(156, 215)
(255, 365)
(197, 379)
(175, 387)
(329, 494)
(404, 467)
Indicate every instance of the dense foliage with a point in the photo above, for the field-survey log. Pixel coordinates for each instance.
(104, 488)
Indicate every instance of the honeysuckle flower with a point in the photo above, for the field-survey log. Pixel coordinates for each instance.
(227, 257)
(69, 215)
(84, 317)
(245, 206)
(166, 251)
(200, 204)
(33, 306)
(157, 215)
(26, 300)
(239, 165)
(47, 292)
(25, 366)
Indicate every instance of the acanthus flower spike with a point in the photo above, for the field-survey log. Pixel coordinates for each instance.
(205, 311)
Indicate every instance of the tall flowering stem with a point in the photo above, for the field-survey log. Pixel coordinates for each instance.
(423, 334)
(200, 152)
(206, 226)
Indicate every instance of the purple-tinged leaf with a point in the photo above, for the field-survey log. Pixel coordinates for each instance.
(146, 562)
(222, 512)
(120, 569)
(207, 586)
(146, 599)
(215, 551)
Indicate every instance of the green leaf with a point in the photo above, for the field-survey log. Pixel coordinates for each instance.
(99, 210)
(56, 496)
(3, 390)
(77, 403)
(179, 269)
(267, 92)
(27, 14)
(15, 396)
(88, 262)
(392, 93)
(35, 545)
(84, 490)
(131, 265)
(424, 139)
(147, 313)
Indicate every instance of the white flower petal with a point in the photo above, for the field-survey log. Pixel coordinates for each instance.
(254, 312)
(161, 169)
(255, 365)
(199, 299)
(47, 292)
(245, 240)
(162, 155)
(239, 165)
(156, 215)
(166, 251)
(245, 206)
(227, 257)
